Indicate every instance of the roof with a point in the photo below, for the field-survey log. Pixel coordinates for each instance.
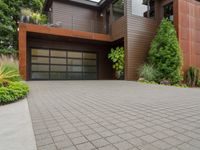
(91, 3)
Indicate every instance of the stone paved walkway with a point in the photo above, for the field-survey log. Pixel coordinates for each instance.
(114, 115)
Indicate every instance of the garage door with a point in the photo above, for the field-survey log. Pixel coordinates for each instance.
(63, 65)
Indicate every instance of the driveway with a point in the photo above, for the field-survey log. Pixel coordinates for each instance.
(114, 115)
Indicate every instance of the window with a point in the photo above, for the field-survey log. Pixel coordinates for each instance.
(118, 9)
(168, 11)
(143, 8)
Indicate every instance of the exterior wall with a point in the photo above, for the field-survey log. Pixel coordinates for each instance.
(104, 65)
(139, 34)
(189, 31)
(118, 29)
(76, 17)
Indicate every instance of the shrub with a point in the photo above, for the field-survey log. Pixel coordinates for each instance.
(13, 92)
(192, 76)
(148, 72)
(39, 18)
(8, 71)
(117, 57)
(165, 54)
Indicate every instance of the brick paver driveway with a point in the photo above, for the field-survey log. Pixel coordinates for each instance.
(111, 115)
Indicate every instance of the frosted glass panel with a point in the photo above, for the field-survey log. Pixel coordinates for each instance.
(58, 61)
(40, 75)
(74, 62)
(74, 54)
(40, 60)
(89, 55)
(56, 76)
(58, 53)
(58, 68)
(40, 67)
(75, 68)
(40, 52)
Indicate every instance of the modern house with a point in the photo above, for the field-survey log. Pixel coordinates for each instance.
(81, 33)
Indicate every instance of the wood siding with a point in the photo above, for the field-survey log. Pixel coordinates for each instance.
(76, 17)
(139, 35)
(119, 28)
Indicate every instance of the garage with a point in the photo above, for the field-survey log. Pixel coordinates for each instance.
(53, 64)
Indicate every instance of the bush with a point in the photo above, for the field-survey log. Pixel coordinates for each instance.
(165, 54)
(148, 72)
(13, 92)
(117, 57)
(8, 71)
(192, 76)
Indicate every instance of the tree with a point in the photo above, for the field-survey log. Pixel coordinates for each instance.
(165, 53)
(9, 17)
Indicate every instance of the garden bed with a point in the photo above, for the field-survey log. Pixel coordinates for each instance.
(12, 88)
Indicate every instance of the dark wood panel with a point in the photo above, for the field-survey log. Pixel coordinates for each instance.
(119, 28)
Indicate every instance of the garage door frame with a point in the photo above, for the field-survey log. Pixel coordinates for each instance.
(65, 50)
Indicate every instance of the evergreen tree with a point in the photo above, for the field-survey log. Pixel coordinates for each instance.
(165, 53)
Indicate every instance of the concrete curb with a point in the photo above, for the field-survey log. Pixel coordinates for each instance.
(16, 127)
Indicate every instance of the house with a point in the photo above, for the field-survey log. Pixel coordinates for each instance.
(81, 33)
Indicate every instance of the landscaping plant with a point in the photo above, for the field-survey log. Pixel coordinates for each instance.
(147, 72)
(165, 54)
(117, 57)
(11, 86)
(192, 76)
(8, 71)
(13, 92)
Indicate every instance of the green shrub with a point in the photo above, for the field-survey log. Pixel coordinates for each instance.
(198, 83)
(9, 72)
(148, 72)
(13, 92)
(38, 18)
(192, 76)
(117, 57)
(165, 54)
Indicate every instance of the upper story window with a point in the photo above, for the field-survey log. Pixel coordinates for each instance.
(143, 8)
(118, 9)
(168, 11)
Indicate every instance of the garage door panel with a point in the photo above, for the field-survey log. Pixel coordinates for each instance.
(75, 62)
(74, 69)
(40, 52)
(89, 76)
(40, 60)
(58, 61)
(58, 53)
(58, 68)
(74, 55)
(90, 62)
(58, 76)
(40, 75)
(89, 55)
(63, 65)
(40, 67)
(74, 76)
